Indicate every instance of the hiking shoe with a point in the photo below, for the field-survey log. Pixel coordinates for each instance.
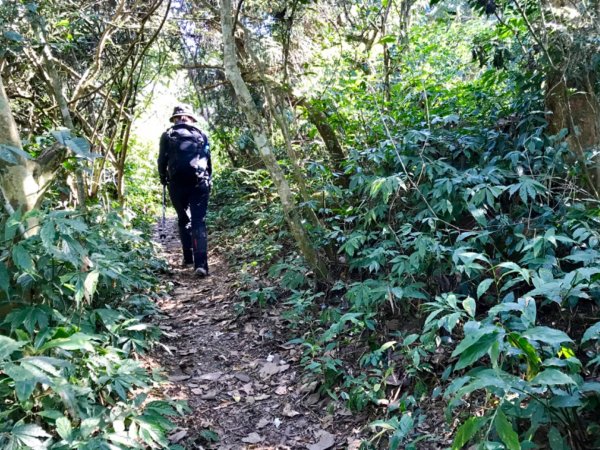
(201, 272)
(185, 264)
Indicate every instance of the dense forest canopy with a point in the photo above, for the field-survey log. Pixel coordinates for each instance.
(416, 181)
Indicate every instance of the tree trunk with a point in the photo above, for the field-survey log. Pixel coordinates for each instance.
(319, 119)
(575, 106)
(563, 32)
(23, 182)
(58, 91)
(257, 125)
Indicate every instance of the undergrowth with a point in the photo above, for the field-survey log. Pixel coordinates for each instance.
(74, 299)
(467, 276)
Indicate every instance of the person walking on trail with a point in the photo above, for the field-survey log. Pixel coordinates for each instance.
(184, 165)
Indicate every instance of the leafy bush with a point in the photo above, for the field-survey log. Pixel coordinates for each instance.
(73, 299)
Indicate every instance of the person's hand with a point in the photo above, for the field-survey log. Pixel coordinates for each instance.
(164, 181)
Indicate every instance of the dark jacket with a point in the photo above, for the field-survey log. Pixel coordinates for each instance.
(168, 151)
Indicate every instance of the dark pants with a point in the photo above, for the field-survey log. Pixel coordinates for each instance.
(191, 202)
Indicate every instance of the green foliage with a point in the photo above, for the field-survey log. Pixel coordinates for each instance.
(245, 217)
(74, 296)
(462, 222)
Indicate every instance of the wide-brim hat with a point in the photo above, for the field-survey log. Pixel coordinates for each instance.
(183, 110)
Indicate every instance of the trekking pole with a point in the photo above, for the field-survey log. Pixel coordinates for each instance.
(163, 233)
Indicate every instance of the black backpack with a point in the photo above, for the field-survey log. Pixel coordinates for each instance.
(188, 154)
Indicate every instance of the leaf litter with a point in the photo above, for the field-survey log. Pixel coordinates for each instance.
(241, 380)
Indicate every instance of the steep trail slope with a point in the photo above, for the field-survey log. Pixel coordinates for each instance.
(239, 378)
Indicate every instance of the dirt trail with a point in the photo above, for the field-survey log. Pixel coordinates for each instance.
(240, 380)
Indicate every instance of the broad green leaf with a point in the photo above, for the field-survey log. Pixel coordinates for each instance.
(467, 431)
(63, 428)
(469, 306)
(13, 36)
(10, 154)
(476, 350)
(531, 354)
(7, 155)
(90, 284)
(28, 434)
(506, 432)
(28, 317)
(79, 145)
(77, 341)
(590, 386)
(8, 346)
(592, 333)
(484, 286)
(48, 233)
(547, 335)
(46, 363)
(210, 435)
(88, 426)
(383, 424)
(22, 258)
(27, 375)
(61, 135)
(389, 39)
(559, 400)
(552, 377)
(556, 441)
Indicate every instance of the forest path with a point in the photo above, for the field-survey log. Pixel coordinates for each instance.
(241, 382)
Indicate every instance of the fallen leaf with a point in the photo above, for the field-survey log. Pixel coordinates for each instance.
(289, 412)
(327, 421)
(353, 444)
(326, 440)
(308, 387)
(242, 377)
(214, 376)
(210, 395)
(253, 438)
(262, 397)
(276, 422)
(313, 399)
(247, 388)
(270, 369)
(262, 423)
(175, 438)
(177, 378)
(281, 390)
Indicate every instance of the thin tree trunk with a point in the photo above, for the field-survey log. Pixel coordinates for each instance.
(257, 126)
(292, 155)
(386, 54)
(578, 112)
(59, 94)
(24, 182)
(319, 119)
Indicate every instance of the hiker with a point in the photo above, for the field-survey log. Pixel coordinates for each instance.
(184, 166)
